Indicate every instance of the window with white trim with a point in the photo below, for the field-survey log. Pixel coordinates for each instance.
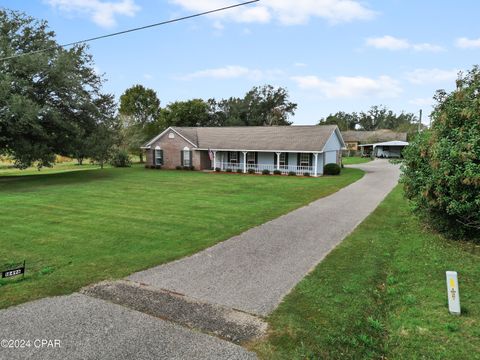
(304, 159)
(187, 159)
(233, 157)
(283, 159)
(251, 158)
(158, 156)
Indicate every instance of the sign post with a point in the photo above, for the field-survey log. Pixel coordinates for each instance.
(14, 272)
(453, 293)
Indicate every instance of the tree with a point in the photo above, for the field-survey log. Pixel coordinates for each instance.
(343, 120)
(194, 112)
(141, 108)
(441, 171)
(261, 106)
(46, 96)
(104, 140)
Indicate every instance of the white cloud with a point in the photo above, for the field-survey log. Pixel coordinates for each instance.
(227, 72)
(422, 101)
(430, 76)
(351, 86)
(392, 43)
(466, 43)
(286, 12)
(103, 13)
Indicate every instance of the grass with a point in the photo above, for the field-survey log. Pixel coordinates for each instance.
(79, 227)
(381, 294)
(351, 160)
(8, 170)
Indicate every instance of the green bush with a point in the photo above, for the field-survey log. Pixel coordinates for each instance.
(152, 166)
(191, 168)
(251, 171)
(217, 169)
(306, 174)
(277, 172)
(158, 167)
(441, 168)
(228, 170)
(331, 169)
(121, 159)
(178, 167)
(239, 171)
(292, 173)
(266, 172)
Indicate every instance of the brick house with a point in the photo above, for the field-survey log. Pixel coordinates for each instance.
(299, 149)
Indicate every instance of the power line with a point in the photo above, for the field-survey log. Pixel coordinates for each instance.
(134, 29)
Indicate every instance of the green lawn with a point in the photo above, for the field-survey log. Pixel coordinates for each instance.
(350, 160)
(381, 294)
(79, 227)
(57, 168)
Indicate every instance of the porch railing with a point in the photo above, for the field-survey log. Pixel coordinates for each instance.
(258, 168)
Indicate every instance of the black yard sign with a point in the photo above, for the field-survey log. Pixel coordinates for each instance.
(14, 272)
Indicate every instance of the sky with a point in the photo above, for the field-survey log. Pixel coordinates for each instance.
(331, 55)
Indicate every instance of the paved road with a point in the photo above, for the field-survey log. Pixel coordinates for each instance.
(250, 272)
(255, 270)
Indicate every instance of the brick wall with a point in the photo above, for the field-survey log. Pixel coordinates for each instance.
(172, 148)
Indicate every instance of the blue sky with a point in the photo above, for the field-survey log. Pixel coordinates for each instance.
(331, 55)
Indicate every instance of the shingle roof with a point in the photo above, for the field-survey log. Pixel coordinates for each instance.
(289, 138)
(373, 136)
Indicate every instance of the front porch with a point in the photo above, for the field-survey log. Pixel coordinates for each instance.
(257, 162)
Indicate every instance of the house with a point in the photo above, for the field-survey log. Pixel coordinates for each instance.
(298, 149)
(388, 149)
(354, 138)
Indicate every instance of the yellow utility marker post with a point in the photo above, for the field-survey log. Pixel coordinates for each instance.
(453, 293)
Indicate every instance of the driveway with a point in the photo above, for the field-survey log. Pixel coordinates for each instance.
(248, 273)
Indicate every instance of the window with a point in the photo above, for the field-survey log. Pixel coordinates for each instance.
(251, 158)
(187, 157)
(158, 156)
(233, 157)
(304, 159)
(283, 160)
(171, 135)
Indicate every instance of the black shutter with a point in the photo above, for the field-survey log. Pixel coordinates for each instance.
(256, 158)
(275, 159)
(310, 160)
(298, 159)
(181, 158)
(191, 157)
(238, 157)
(161, 157)
(154, 162)
(286, 159)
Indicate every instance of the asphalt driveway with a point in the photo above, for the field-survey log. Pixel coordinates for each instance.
(251, 272)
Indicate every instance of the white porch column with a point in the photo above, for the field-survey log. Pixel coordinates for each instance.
(316, 163)
(222, 160)
(278, 160)
(214, 159)
(244, 162)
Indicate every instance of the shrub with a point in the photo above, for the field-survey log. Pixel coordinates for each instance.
(441, 168)
(217, 169)
(331, 169)
(239, 171)
(147, 166)
(228, 170)
(292, 173)
(185, 167)
(266, 172)
(306, 174)
(277, 172)
(158, 167)
(152, 166)
(191, 168)
(251, 171)
(121, 159)
(178, 167)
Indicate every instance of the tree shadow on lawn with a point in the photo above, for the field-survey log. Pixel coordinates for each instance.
(33, 182)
